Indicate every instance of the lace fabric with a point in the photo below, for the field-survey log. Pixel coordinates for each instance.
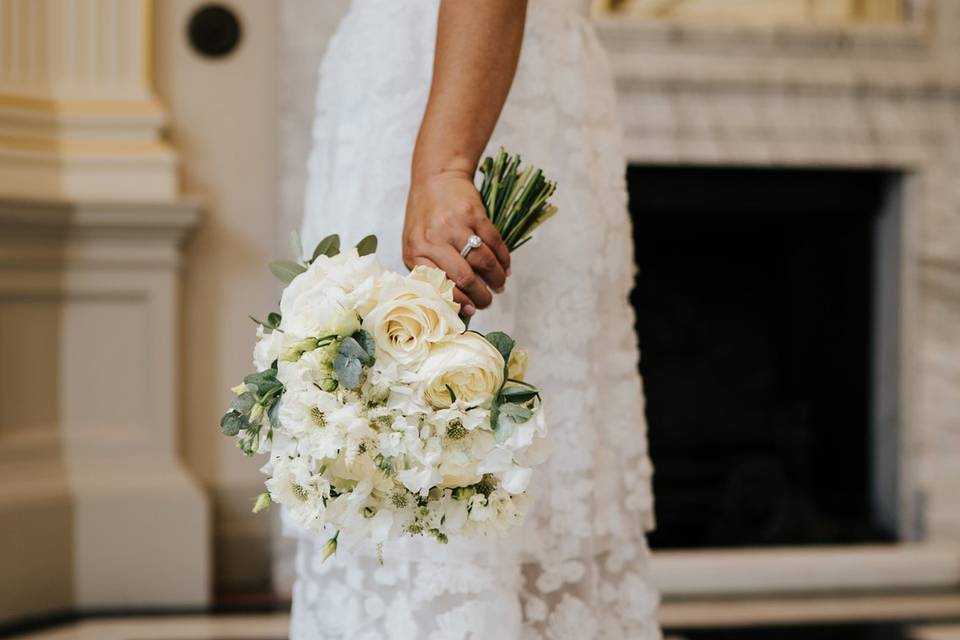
(578, 567)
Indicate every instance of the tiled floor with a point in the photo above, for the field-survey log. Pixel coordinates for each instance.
(199, 627)
(902, 617)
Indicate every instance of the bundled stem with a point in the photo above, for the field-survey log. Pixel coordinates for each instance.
(516, 201)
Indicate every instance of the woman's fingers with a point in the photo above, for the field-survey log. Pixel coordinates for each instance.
(466, 304)
(491, 237)
(463, 275)
(486, 265)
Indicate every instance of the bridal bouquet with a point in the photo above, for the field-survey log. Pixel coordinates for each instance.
(382, 415)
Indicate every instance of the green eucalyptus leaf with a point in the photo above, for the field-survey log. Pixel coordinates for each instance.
(265, 381)
(232, 422)
(503, 343)
(367, 246)
(273, 415)
(244, 402)
(518, 394)
(516, 413)
(273, 319)
(285, 270)
(349, 370)
(366, 342)
(296, 246)
(351, 348)
(329, 246)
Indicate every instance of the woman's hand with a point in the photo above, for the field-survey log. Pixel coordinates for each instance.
(443, 211)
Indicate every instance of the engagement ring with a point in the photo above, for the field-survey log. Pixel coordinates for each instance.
(473, 242)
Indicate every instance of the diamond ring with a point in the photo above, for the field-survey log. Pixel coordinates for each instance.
(473, 242)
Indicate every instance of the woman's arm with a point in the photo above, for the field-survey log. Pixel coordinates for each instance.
(478, 45)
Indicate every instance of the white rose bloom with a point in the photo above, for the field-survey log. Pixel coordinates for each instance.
(268, 348)
(316, 298)
(411, 314)
(468, 364)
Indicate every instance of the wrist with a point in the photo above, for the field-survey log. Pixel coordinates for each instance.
(449, 165)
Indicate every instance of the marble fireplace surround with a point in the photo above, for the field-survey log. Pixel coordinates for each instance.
(850, 97)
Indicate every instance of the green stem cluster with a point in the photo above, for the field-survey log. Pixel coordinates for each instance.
(516, 200)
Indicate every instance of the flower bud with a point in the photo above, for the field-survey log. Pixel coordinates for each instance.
(297, 349)
(345, 323)
(262, 503)
(329, 548)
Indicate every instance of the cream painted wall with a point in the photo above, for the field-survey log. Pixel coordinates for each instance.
(223, 122)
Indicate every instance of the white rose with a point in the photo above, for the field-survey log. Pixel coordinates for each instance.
(468, 364)
(316, 299)
(413, 313)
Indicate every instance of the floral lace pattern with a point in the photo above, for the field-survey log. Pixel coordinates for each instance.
(578, 567)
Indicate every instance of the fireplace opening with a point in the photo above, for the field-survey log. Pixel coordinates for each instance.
(766, 309)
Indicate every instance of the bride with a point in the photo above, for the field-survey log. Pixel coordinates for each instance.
(412, 94)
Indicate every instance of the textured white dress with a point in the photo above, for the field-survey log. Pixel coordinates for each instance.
(578, 567)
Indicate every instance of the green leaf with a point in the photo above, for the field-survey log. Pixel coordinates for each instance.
(295, 245)
(285, 270)
(348, 369)
(367, 246)
(232, 422)
(264, 381)
(502, 342)
(329, 246)
(453, 396)
(508, 416)
(350, 348)
(518, 394)
(516, 413)
(365, 340)
(243, 402)
(272, 323)
(273, 415)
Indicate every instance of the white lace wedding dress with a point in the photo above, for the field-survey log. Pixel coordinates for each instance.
(578, 568)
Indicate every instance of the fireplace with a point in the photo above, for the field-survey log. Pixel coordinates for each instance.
(762, 306)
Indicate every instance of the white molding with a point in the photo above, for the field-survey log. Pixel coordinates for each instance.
(806, 570)
(100, 281)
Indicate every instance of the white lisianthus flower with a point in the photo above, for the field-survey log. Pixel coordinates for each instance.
(467, 364)
(268, 348)
(419, 479)
(516, 479)
(458, 469)
(316, 298)
(412, 314)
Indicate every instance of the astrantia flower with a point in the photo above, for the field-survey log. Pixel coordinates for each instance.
(299, 490)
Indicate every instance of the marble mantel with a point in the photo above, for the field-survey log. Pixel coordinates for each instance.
(845, 97)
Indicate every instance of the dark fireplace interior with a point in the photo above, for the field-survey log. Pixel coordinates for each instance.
(755, 312)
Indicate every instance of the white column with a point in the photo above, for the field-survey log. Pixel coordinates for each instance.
(78, 117)
(96, 509)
